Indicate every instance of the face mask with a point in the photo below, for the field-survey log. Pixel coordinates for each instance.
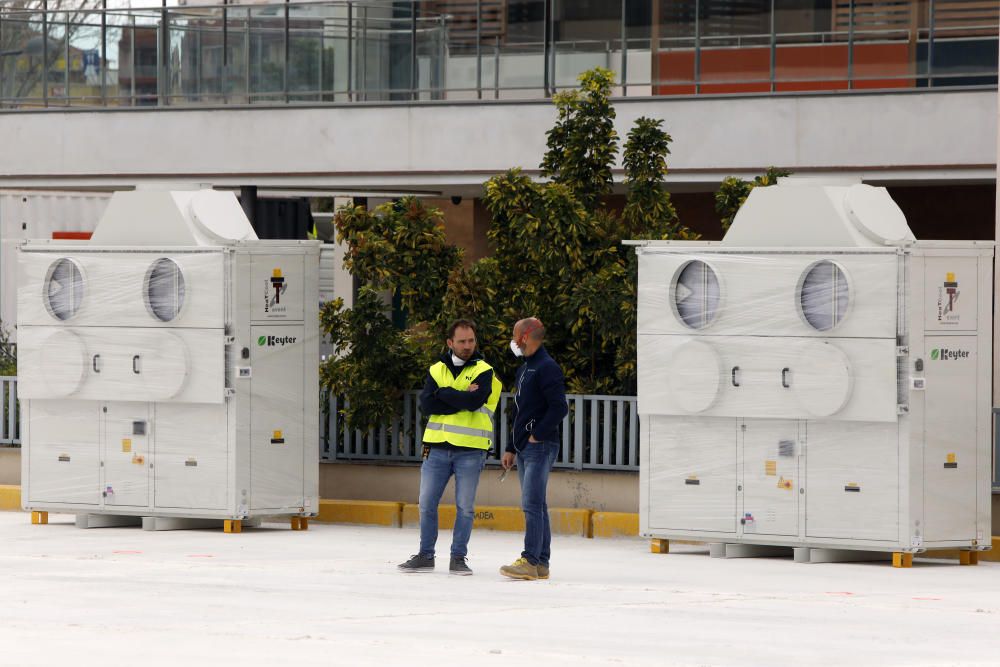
(518, 352)
(457, 360)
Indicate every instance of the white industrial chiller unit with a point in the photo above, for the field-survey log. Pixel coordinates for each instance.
(168, 368)
(819, 379)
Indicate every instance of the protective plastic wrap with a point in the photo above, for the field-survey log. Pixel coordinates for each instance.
(174, 378)
(819, 396)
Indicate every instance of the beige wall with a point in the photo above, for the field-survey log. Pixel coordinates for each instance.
(605, 491)
(465, 225)
(10, 465)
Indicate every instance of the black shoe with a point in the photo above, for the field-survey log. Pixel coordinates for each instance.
(418, 563)
(459, 566)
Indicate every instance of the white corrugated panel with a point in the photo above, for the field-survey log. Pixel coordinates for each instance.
(37, 215)
(327, 272)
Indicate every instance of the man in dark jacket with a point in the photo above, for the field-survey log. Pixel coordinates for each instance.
(460, 396)
(540, 404)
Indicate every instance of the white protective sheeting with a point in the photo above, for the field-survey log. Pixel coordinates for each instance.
(818, 379)
(169, 367)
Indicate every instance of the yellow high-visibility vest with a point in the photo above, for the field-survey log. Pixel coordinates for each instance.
(465, 428)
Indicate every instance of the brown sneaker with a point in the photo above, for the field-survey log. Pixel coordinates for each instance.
(520, 569)
(543, 571)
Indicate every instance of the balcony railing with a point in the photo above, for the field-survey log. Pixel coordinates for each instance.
(343, 51)
(598, 433)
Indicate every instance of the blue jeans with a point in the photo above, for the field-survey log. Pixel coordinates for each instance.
(533, 465)
(435, 472)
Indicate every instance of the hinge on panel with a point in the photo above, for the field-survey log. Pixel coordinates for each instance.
(902, 409)
(230, 392)
(230, 340)
(902, 350)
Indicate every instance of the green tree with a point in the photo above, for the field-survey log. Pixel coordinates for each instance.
(557, 254)
(583, 142)
(373, 361)
(398, 249)
(8, 353)
(558, 249)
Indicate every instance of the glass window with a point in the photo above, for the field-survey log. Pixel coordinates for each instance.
(164, 289)
(64, 289)
(696, 294)
(824, 295)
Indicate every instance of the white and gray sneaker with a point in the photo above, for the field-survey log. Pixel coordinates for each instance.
(459, 566)
(418, 563)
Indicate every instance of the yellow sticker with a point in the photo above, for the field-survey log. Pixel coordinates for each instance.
(770, 468)
(126, 445)
(138, 460)
(277, 435)
(785, 484)
(951, 458)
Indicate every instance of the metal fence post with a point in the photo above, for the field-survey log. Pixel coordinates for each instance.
(774, 49)
(624, 47)
(697, 47)
(578, 417)
(413, 54)
(930, 43)
(496, 67)
(479, 49)
(45, 53)
(163, 77)
(350, 51)
(104, 53)
(288, 44)
(850, 45)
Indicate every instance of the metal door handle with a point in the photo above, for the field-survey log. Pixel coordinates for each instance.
(97, 359)
(135, 364)
(736, 369)
(784, 378)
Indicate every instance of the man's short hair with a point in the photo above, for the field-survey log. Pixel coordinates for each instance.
(460, 323)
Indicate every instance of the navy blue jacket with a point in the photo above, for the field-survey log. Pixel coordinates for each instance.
(540, 400)
(436, 400)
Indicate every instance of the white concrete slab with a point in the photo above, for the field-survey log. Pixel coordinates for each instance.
(332, 596)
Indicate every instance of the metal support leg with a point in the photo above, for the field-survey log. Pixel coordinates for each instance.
(658, 546)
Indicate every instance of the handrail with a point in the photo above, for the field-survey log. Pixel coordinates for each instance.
(337, 51)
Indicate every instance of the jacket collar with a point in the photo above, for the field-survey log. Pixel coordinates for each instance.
(539, 355)
(455, 370)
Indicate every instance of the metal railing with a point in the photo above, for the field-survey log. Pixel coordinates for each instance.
(343, 51)
(598, 433)
(10, 425)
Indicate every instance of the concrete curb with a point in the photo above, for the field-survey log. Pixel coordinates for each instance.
(953, 554)
(10, 497)
(615, 524)
(370, 512)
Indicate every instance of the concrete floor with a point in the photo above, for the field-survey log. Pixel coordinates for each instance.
(332, 596)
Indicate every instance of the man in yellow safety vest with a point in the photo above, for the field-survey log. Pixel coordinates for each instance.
(460, 394)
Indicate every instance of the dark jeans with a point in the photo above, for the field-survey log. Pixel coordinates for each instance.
(435, 472)
(533, 465)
